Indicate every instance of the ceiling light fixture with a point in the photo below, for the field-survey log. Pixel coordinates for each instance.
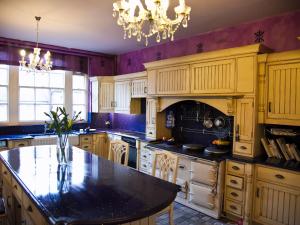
(35, 62)
(133, 17)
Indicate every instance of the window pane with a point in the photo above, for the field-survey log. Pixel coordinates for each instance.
(3, 94)
(40, 112)
(79, 82)
(26, 78)
(82, 109)
(27, 95)
(26, 112)
(57, 97)
(3, 113)
(3, 76)
(54, 107)
(42, 79)
(42, 96)
(57, 80)
(78, 97)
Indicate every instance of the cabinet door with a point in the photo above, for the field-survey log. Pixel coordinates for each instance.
(244, 119)
(173, 80)
(213, 77)
(122, 96)
(151, 108)
(100, 145)
(139, 88)
(106, 97)
(283, 92)
(276, 205)
(95, 96)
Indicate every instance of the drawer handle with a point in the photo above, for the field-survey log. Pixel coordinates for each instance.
(233, 181)
(21, 145)
(144, 156)
(235, 168)
(5, 172)
(181, 167)
(29, 209)
(279, 176)
(243, 147)
(233, 207)
(16, 187)
(150, 133)
(234, 194)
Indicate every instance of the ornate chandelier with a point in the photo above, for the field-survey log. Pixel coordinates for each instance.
(134, 18)
(35, 62)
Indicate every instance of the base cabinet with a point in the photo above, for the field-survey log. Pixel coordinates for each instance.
(277, 198)
(95, 143)
(276, 204)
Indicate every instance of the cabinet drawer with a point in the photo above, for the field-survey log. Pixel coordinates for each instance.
(32, 211)
(6, 175)
(233, 207)
(234, 194)
(87, 147)
(243, 148)
(18, 143)
(16, 189)
(236, 182)
(278, 176)
(234, 167)
(86, 139)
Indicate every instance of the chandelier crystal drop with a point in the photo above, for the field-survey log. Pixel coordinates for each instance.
(136, 19)
(35, 62)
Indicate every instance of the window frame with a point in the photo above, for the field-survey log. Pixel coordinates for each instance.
(86, 91)
(6, 67)
(13, 98)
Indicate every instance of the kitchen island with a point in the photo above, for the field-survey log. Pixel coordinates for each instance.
(90, 190)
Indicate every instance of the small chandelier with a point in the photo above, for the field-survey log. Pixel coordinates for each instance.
(35, 62)
(133, 17)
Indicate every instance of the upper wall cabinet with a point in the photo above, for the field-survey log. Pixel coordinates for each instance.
(102, 93)
(213, 77)
(224, 72)
(139, 88)
(281, 89)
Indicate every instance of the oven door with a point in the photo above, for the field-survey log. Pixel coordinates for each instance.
(132, 157)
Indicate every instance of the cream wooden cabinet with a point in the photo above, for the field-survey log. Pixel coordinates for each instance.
(100, 145)
(279, 88)
(123, 101)
(213, 77)
(18, 143)
(139, 88)
(283, 92)
(173, 80)
(238, 190)
(277, 199)
(155, 121)
(102, 94)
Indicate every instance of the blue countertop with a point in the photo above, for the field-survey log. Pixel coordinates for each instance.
(90, 190)
(15, 137)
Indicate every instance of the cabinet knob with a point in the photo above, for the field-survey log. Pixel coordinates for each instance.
(233, 181)
(237, 132)
(270, 107)
(181, 167)
(279, 176)
(234, 194)
(145, 90)
(16, 187)
(235, 168)
(29, 209)
(243, 147)
(233, 207)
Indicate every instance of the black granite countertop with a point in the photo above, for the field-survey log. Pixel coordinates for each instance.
(91, 190)
(15, 137)
(262, 160)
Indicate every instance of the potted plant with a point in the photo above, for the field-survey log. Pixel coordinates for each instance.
(62, 125)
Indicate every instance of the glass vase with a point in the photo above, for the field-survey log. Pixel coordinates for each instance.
(62, 148)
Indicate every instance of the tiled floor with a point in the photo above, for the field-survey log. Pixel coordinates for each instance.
(187, 216)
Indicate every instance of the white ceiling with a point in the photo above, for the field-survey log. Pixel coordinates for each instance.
(89, 25)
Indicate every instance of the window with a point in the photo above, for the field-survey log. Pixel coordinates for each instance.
(40, 92)
(80, 95)
(4, 71)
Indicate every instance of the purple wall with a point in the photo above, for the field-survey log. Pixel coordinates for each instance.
(280, 34)
(120, 121)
